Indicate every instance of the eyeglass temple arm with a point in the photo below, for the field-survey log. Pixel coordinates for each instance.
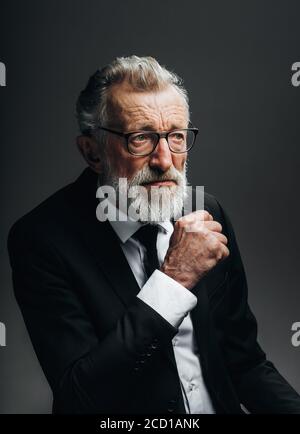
(112, 131)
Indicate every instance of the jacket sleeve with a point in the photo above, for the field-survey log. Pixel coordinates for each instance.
(85, 374)
(260, 387)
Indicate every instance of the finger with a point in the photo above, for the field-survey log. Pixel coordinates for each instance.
(202, 214)
(221, 237)
(198, 226)
(177, 233)
(225, 251)
(196, 216)
(194, 219)
(213, 225)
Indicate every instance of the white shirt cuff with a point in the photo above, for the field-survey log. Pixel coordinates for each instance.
(167, 297)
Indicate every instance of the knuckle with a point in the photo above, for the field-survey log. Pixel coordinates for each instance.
(214, 243)
(206, 233)
(206, 214)
(201, 214)
(219, 255)
(180, 223)
(188, 218)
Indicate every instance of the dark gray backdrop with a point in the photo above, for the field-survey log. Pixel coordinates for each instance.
(235, 57)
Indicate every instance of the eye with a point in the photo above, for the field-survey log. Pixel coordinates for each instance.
(177, 136)
(140, 138)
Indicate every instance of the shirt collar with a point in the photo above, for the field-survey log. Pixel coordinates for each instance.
(126, 229)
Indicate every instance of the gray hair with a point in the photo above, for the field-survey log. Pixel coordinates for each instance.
(142, 73)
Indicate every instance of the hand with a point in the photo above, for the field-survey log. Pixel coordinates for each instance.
(196, 246)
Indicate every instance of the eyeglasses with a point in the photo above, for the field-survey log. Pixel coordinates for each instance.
(142, 143)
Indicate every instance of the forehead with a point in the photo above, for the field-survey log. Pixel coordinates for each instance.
(163, 109)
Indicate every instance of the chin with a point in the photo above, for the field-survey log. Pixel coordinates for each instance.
(164, 203)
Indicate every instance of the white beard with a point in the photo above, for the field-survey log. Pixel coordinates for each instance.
(156, 204)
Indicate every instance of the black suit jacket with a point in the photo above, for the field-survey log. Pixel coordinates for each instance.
(102, 349)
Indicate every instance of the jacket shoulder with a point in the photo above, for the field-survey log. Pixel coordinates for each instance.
(41, 220)
(51, 219)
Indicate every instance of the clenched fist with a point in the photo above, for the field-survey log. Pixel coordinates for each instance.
(196, 245)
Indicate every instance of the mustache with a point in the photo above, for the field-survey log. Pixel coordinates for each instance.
(147, 175)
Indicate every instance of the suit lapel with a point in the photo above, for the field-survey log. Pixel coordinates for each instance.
(101, 240)
(110, 257)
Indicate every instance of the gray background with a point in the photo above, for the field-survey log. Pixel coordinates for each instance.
(235, 58)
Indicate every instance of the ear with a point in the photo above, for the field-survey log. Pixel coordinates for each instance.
(88, 147)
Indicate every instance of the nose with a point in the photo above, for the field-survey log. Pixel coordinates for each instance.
(161, 158)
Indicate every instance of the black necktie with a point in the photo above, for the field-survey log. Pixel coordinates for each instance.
(147, 235)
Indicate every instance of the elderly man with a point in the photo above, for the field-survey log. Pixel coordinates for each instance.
(145, 315)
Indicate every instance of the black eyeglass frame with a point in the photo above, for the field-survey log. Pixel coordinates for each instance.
(163, 135)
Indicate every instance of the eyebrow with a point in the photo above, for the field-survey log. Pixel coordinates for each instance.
(149, 127)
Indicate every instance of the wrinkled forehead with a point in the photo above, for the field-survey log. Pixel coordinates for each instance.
(129, 108)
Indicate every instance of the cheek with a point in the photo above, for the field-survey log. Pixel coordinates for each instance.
(178, 161)
(133, 165)
(124, 164)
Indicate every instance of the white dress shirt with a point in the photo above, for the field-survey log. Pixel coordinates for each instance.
(173, 302)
